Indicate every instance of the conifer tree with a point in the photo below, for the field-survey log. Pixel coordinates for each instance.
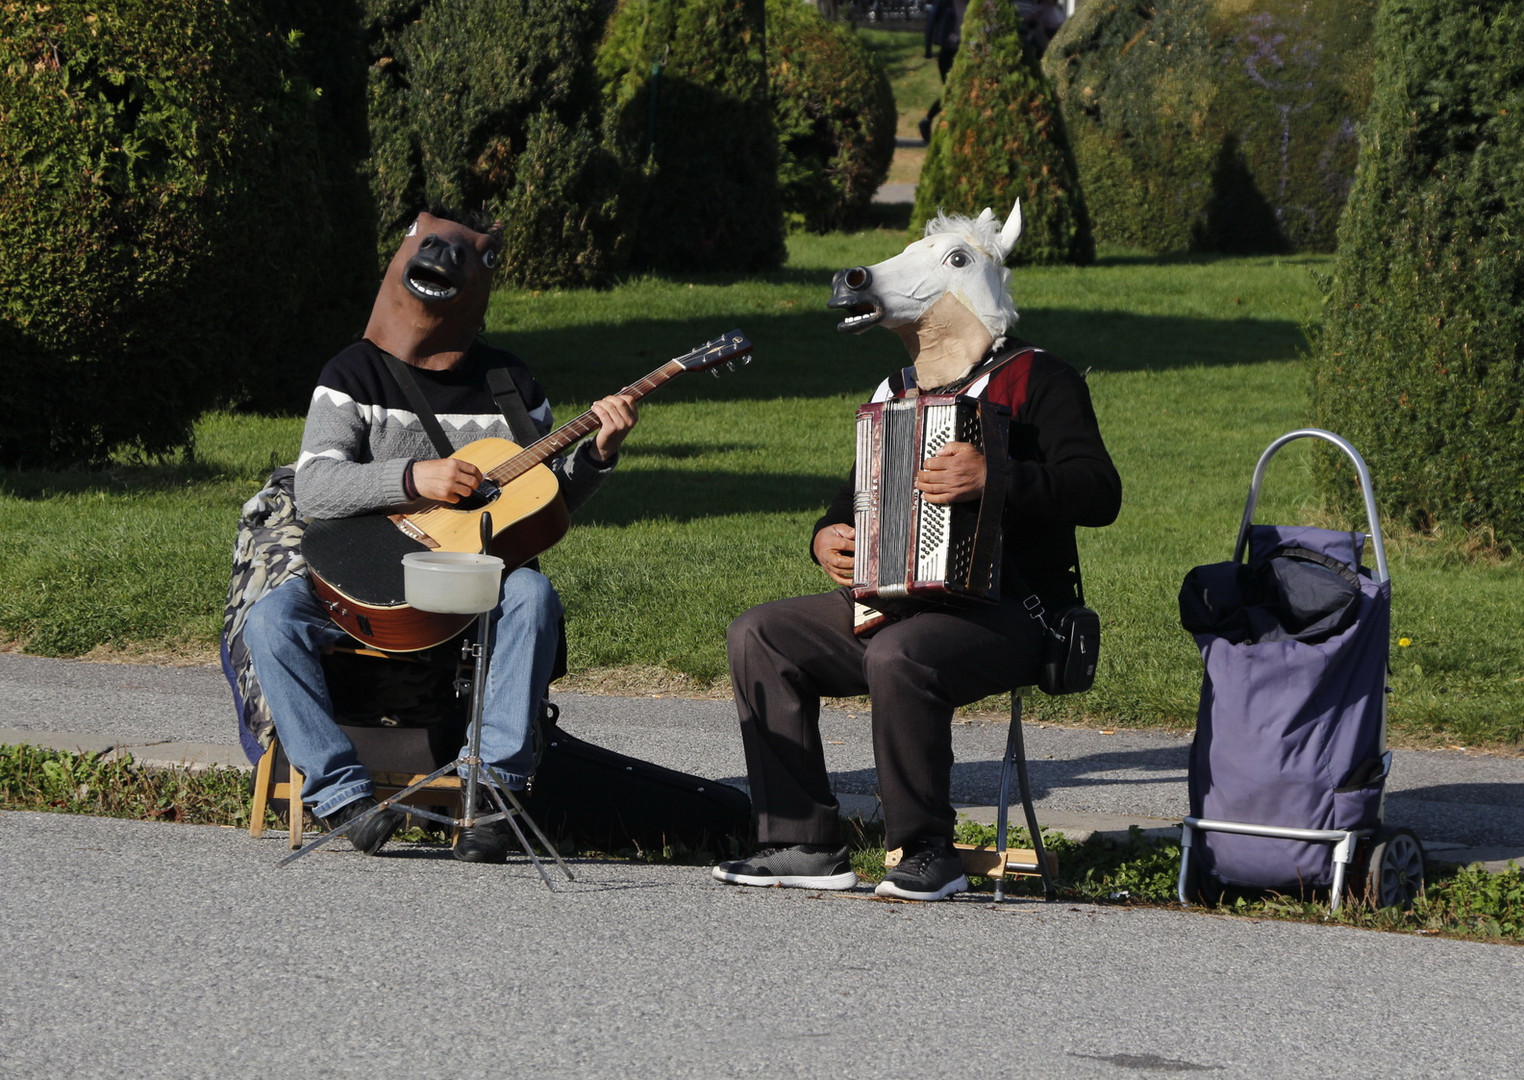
(1000, 137)
(834, 109)
(1420, 363)
(178, 195)
(492, 106)
(1214, 125)
(688, 114)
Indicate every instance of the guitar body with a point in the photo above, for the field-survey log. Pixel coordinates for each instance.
(355, 564)
(527, 515)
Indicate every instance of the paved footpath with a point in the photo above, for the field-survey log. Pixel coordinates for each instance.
(149, 950)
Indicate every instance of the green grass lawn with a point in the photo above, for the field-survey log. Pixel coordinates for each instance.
(1194, 366)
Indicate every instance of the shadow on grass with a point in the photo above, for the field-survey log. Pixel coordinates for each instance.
(892, 216)
(803, 355)
(37, 484)
(798, 354)
(696, 494)
(1122, 341)
(1200, 258)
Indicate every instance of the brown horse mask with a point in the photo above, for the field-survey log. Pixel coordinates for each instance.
(434, 296)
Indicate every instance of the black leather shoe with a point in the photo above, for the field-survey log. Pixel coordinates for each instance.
(484, 843)
(369, 835)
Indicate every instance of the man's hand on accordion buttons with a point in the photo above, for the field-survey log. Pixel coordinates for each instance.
(835, 546)
(954, 473)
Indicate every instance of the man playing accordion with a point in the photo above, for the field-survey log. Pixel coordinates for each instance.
(935, 648)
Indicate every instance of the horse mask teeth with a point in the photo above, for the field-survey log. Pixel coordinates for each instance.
(434, 296)
(428, 284)
(860, 317)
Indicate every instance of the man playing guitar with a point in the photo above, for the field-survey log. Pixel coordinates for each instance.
(365, 450)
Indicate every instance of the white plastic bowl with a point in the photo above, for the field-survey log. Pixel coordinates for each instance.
(452, 582)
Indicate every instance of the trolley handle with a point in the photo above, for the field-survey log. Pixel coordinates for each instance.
(1361, 471)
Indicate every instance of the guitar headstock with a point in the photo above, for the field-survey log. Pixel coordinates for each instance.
(725, 349)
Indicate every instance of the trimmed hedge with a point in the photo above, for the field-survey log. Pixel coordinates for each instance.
(165, 235)
(1419, 359)
(690, 119)
(340, 287)
(1215, 125)
(834, 110)
(492, 106)
(998, 137)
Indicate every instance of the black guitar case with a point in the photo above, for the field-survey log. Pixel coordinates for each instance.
(595, 798)
(612, 802)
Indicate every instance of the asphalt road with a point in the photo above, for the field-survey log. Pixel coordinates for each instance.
(142, 950)
(150, 950)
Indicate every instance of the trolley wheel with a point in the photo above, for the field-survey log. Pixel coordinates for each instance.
(1394, 875)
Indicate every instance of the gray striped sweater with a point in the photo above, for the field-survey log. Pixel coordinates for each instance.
(361, 430)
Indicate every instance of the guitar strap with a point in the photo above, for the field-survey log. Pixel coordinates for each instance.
(510, 402)
(500, 381)
(405, 379)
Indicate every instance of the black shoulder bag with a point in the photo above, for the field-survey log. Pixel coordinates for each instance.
(1071, 641)
(1071, 644)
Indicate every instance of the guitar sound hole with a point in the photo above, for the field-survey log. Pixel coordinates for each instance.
(478, 498)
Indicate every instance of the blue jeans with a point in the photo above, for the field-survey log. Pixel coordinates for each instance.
(288, 632)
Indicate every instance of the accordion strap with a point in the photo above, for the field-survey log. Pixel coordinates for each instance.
(990, 366)
(1033, 603)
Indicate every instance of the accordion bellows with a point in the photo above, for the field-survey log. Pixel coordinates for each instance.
(907, 547)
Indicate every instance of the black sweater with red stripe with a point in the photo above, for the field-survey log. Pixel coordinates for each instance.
(1059, 475)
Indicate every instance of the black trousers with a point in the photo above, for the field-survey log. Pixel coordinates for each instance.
(786, 655)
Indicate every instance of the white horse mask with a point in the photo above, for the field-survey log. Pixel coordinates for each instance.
(946, 296)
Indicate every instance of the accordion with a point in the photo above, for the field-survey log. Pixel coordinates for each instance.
(910, 548)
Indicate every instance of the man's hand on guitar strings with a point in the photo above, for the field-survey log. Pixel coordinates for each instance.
(835, 550)
(616, 416)
(954, 473)
(446, 480)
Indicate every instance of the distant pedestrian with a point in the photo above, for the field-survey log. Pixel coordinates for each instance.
(944, 29)
(1042, 23)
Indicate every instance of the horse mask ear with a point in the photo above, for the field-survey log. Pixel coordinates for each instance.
(1010, 232)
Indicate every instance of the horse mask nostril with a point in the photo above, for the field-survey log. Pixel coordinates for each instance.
(858, 278)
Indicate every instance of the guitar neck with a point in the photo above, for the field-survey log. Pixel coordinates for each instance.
(567, 435)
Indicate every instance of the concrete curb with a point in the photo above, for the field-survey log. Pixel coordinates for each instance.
(1076, 826)
(158, 754)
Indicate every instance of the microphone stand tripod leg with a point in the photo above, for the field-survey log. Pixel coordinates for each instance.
(519, 811)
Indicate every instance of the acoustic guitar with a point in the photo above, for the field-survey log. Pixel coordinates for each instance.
(355, 564)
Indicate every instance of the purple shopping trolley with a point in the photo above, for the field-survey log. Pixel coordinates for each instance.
(1289, 763)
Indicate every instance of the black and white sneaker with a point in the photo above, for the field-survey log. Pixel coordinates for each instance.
(803, 866)
(929, 869)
